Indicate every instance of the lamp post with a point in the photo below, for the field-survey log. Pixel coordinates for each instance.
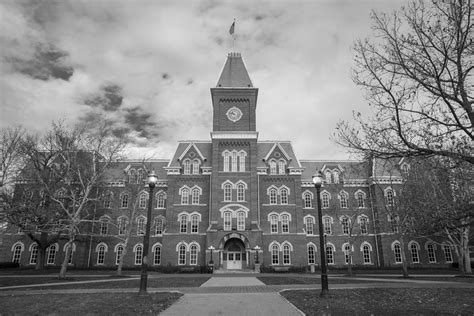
(211, 249)
(152, 179)
(318, 181)
(257, 249)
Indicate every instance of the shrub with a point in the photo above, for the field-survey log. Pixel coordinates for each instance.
(7, 265)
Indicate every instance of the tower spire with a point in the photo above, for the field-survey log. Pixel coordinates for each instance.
(234, 74)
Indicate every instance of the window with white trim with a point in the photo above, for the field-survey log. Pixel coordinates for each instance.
(139, 176)
(241, 221)
(311, 254)
(142, 199)
(108, 199)
(345, 225)
(307, 200)
(273, 167)
(397, 252)
(366, 254)
(104, 225)
(34, 253)
(240, 192)
(141, 226)
(193, 255)
(131, 175)
(347, 250)
(194, 224)
(17, 249)
(138, 254)
(160, 200)
(101, 254)
(274, 224)
(284, 196)
(227, 192)
(393, 220)
(336, 176)
(327, 176)
(195, 196)
(183, 224)
(157, 255)
(360, 199)
(363, 224)
(159, 226)
(448, 255)
(285, 223)
(187, 166)
(196, 164)
(51, 254)
(226, 161)
(185, 196)
(286, 254)
(275, 254)
(327, 223)
(309, 221)
(343, 200)
(415, 258)
(330, 254)
(182, 255)
(273, 196)
(122, 225)
(389, 197)
(234, 161)
(431, 253)
(325, 200)
(281, 166)
(124, 200)
(227, 220)
(242, 155)
(118, 254)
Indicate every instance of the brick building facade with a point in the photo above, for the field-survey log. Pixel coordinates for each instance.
(235, 194)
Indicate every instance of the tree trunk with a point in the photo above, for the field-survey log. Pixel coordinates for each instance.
(349, 267)
(41, 258)
(124, 252)
(64, 265)
(465, 250)
(404, 258)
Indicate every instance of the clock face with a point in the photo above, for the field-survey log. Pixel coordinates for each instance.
(234, 114)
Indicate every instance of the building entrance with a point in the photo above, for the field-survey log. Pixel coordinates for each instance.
(234, 254)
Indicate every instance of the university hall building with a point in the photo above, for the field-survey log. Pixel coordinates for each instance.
(238, 199)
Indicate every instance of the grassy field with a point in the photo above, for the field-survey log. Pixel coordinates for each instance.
(406, 301)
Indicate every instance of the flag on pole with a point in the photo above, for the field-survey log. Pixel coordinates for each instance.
(232, 28)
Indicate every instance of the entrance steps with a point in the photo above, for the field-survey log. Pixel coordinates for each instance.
(242, 271)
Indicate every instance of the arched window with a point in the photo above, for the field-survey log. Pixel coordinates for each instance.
(309, 221)
(159, 226)
(161, 200)
(274, 224)
(69, 253)
(131, 175)
(193, 251)
(343, 199)
(327, 176)
(360, 199)
(118, 254)
(448, 255)
(104, 225)
(185, 196)
(183, 224)
(226, 155)
(311, 254)
(187, 166)
(122, 225)
(182, 255)
(281, 166)
(414, 253)
(240, 221)
(227, 192)
(327, 223)
(227, 220)
(325, 199)
(138, 254)
(275, 254)
(107, 199)
(273, 196)
(363, 224)
(33, 253)
(366, 253)
(141, 221)
(393, 220)
(142, 200)
(196, 164)
(284, 196)
(240, 192)
(335, 174)
(397, 252)
(347, 253)
(139, 176)
(195, 196)
(51, 254)
(124, 200)
(286, 254)
(234, 161)
(273, 167)
(345, 225)
(285, 223)
(101, 249)
(194, 224)
(389, 196)
(17, 249)
(330, 254)
(307, 200)
(431, 253)
(242, 155)
(157, 255)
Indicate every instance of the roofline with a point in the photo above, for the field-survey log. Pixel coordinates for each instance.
(144, 161)
(329, 160)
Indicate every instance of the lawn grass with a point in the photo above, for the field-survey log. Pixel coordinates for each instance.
(282, 280)
(87, 304)
(405, 301)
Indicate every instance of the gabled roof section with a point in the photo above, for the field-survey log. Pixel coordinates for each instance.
(234, 74)
(266, 148)
(277, 145)
(203, 148)
(353, 169)
(192, 145)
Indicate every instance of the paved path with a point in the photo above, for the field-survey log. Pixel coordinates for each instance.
(221, 303)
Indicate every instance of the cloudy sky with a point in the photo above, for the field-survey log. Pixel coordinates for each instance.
(145, 67)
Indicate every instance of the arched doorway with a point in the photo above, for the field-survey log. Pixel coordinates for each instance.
(234, 254)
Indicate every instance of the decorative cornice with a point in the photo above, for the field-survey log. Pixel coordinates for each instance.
(234, 135)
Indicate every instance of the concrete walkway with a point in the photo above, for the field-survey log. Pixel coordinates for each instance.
(232, 304)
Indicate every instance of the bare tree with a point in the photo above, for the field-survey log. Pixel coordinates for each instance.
(417, 73)
(11, 157)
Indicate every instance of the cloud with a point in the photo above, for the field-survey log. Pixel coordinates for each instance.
(109, 98)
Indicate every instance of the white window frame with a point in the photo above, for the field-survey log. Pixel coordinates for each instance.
(183, 224)
(194, 224)
(274, 224)
(275, 254)
(240, 221)
(227, 220)
(138, 250)
(182, 255)
(193, 254)
(195, 196)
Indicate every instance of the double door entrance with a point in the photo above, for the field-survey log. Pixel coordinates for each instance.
(234, 254)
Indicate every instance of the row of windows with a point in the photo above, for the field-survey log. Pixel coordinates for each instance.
(326, 197)
(365, 248)
(278, 195)
(122, 222)
(414, 248)
(229, 188)
(234, 161)
(191, 166)
(160, 199)
(277, 167)
(136, 176)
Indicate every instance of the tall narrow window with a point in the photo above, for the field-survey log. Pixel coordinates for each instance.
(141, 226)
(329, 255)
(157, 255)
(448, 256)
(325, 200)
(275, 254)
(195, 197)
(118, 254)
(122, 225)
(159, 226)
(182, 255)
(183, 224)
(241, 221)
(196, 164)
(397, 252)
(51, 254)
(393, 223)
(187, 166)
(104, 225)
(107, 199)
(360, 200)
(227, 220)
(284, 196)
(286, 254)
(327, 176)
(311, 255)
(414, 253)
(34, 253)
(336, 176)
(389, 196)
(139, 176)
(194, 224)
(185, 196)
(273, 167)
(160, 200)
(345, 225)
(273, 196)
(234, 161)
(227, 192)
(101, 255)
(343, 200)
(124, 200)
(138, 254)
(431, 253)
(281, 167)
(309, 226)
(226, 162)
(16, 253)
(142, 200)
(240, 192)
(131, 176)
(347, 252)
(285, 223)
(363, 225)
(193, 255)
(242, 161)
(69, 261)
(274, 224)
(366, 254)
(327, 225)
(307, 200)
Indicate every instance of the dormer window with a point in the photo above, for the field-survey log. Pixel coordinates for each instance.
(273, 167)
(327, 176)
(131, 176)
(196, 164)
(139, 176)
(335, 175)
(405, 169)
(281, 166)
(187, 166)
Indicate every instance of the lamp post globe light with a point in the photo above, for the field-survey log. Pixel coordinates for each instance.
(152, 179)
(211, 249)
(318, 181)
(257, 249)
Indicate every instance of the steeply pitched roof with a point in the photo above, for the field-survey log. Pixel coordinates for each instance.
(352, 169)
(265, 148)
(234, 74)
(204, 148)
